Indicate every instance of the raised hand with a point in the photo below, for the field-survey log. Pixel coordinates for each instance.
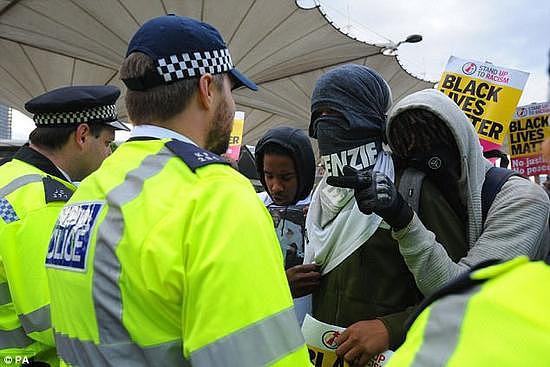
(375, 193)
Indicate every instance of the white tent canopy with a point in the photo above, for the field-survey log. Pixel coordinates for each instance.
(282, 47)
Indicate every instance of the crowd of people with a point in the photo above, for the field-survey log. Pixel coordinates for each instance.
(162, 254)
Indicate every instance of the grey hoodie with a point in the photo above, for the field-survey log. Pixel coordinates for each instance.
(516, 224)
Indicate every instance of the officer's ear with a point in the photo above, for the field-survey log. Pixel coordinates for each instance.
(81, 134)
(206, 91)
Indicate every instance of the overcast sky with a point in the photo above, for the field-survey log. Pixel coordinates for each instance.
(508, 33)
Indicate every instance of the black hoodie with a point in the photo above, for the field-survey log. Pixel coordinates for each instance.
(298, 145)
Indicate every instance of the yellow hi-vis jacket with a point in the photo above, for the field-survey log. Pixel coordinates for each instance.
(166, 257)
(497, 316)
(30, 201)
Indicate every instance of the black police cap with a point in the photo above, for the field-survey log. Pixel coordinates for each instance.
(74, 105)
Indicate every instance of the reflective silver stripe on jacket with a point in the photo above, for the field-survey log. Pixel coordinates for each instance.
(107, 268)
(85, 353)
(37, 320)
(7, 212)
(16, 338)
(116, 348)
(19, 182)
(5, 295)
(256, 345)
(442, 330)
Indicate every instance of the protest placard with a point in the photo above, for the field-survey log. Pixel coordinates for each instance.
(321, 343)
(528, 129)
(488, 95)
(236, 137)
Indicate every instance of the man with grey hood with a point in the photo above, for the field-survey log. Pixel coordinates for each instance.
(365, 286)
(428, 131)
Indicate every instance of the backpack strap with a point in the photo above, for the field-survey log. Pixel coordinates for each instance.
(410, 186)
(494, 179)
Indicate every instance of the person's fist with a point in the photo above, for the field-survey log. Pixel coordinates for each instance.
(375, 193)
(303, 279)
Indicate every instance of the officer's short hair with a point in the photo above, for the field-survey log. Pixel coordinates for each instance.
(161, 102)
(55, 138)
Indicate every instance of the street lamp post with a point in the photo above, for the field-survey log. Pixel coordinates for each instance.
(390, 48)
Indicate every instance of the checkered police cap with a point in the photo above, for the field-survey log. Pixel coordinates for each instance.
(182, 48)
(105, 113)
(188, 65)
(75, 105)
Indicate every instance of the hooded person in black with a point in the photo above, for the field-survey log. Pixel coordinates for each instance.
(293, 143)
(286, 167)
(366, 286)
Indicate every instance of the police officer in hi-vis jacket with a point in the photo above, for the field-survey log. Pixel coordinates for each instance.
(74, 129)
(173, 258)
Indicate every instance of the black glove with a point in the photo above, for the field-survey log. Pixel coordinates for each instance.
(375, 193)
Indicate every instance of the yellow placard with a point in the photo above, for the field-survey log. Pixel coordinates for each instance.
(321, 343)
(489, 107)
(487, 94)
(236, 137)
(528, 129)
(526, 135)
(325, 358)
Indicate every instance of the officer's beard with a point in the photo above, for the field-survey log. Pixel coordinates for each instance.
(217, 139)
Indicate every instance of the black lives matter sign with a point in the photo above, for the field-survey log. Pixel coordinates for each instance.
(487, 94)
(528, 129)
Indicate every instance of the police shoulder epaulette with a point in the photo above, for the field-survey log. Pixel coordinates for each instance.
(55, 190)
(193, 156)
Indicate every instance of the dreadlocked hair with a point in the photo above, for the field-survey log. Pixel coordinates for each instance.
(418, 129)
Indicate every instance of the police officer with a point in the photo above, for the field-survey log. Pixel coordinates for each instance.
(165, 256)
(74, 129)
(493, 316)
